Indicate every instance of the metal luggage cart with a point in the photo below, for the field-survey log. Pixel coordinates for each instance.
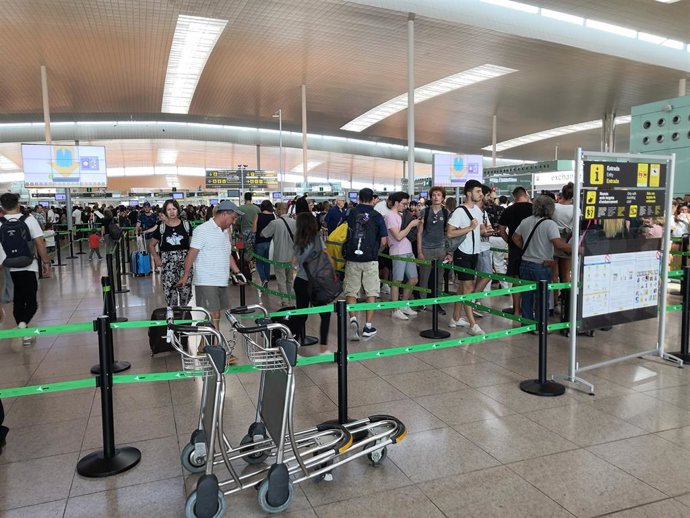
(297, 456)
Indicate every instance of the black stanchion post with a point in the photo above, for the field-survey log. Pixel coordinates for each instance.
(434, 332)
(128, 238)
(118, 276)
(542, 386)
(341, 359)
(109, 309)
(80, 239)
(71, 246)
(110, 460)
(446, 280)
(122, 264)
(243, 295)
(111, 293)
(684, 247)
(684, 353)
(57, 250)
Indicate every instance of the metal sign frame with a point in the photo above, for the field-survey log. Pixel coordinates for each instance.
(573, 367)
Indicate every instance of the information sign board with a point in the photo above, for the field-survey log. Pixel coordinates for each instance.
(624, 174)
(238, 179)
(600, 204)
(454, 170)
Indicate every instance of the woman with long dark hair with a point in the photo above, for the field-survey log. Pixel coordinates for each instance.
(308, 244)
(174, 236)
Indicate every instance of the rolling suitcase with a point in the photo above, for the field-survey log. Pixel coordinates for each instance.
(141, 260)
(157, 335)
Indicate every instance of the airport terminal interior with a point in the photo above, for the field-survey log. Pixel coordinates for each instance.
(127, 104)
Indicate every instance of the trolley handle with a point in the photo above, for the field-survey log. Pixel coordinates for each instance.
(275, 326)
(246, 309)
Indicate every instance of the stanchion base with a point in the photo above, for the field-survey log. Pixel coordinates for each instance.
(309, 340)
(80, 253)
(546, 389)
(684, 357)
(123, 290)
(435, 334)
(95, 465)
(118, 366)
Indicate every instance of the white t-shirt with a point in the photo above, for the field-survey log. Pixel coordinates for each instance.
(212, 264)
(76, 216)
(563, 216)
(459, 219)
(35, 230)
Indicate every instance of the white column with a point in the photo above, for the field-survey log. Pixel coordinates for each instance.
(608, 133)
(493, 141)
(410, 104)
(682, 88)
(304, 133)
(46, 105)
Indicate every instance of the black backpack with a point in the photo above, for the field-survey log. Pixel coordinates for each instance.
(361, 245)
(17, 243)
(324, 284)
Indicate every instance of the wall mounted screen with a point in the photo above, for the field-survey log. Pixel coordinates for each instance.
(454, 170)
(47, 165)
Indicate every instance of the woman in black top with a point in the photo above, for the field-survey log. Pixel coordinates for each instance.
(263, 244)
(174, 237)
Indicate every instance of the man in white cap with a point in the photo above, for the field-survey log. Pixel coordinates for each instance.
(210, 254)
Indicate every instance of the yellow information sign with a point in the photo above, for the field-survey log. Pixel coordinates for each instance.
(654, 175)
(591, 198)
(596, 174)
(642, 175)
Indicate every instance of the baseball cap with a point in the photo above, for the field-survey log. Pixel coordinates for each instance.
(228, 205)
(146, 204)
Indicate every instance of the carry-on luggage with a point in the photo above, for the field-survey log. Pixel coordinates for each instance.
(158, 335)
(141, 260)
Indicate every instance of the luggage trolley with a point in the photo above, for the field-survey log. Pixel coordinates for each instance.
(297, 456)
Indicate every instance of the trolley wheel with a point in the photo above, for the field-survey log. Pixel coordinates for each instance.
(263, 498)
(190, 461)
(252, 458)
(327, 476)
(376, 457)
(195, 508)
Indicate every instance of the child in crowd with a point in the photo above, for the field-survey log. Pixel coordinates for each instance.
(94, 245)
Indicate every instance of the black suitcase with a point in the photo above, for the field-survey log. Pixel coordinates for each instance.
(157, 334)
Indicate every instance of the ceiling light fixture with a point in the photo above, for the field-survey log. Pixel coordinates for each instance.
(192, 44)
(7, 165)
(425, 92)
(555, 132)
(510, 4)
(668, 1)
(613, 29)
(564, 17)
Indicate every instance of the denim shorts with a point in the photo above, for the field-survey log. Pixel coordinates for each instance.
(403, 269)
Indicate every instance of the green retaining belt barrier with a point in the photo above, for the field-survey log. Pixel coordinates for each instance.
(270, 291)
(492, 276)
(406, 286)
(404, 259)
(263, 259)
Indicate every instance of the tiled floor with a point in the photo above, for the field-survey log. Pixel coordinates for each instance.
(478, 446)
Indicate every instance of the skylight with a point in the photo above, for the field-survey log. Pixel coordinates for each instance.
(510, 4)
(425, 92)
(167, 156)
(555, 132)
(191, 47)
(7, 165)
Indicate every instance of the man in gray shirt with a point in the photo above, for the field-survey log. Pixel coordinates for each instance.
(537, 236)
(282, 230)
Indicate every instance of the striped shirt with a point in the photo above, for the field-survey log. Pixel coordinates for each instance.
(212, 264)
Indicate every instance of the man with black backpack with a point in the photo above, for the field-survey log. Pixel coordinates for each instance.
(366, 235)
(21, 238)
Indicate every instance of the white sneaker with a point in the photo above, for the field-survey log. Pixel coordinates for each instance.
(408, 311)
(475, 330)
(398, 313)
(461, 322)
(385, 289)
(354, 330)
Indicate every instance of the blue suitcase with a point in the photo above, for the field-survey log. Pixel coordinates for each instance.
(141, 264)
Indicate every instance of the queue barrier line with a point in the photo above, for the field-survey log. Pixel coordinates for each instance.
(270, 291)
(439, 300)
(499, 313)
(82, 327)
(492, 276)
(405, 286)
(405, 259)
(263, 259)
